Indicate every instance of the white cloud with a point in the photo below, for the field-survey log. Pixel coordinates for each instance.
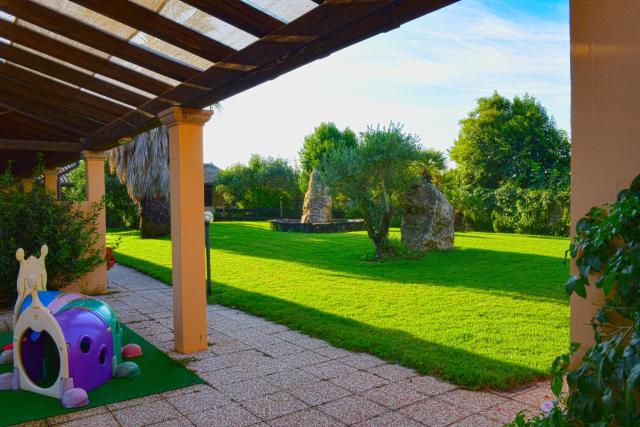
(427, 75)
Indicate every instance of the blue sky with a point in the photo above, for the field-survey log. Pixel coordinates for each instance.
(426, 74)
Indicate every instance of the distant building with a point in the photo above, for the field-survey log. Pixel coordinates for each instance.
(211, 198)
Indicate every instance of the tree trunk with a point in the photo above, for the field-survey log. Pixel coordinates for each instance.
(155, 220)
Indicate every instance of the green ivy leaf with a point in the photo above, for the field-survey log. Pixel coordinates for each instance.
(632, 380)
(556, 386)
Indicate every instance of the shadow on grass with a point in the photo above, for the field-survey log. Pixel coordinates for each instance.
(497, 271)
(459, 366)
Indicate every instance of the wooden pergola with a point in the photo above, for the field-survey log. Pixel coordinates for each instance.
(78, 77)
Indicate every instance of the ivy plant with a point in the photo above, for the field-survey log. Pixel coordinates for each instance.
(605, 389)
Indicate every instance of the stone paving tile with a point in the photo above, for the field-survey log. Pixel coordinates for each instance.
(281, 349)
(506, 412)
(232, 415)
(472, 400)
(210, 364)
(319, 392)
(330, 369)
(359, 381)
(363, 361)
(102, 420)
(477, 421)
(304, 358)
(76, 415)
(310, 343)
(352, 409)
(193, 402)
(291, 378)
(429, 385)
(306, 418)
(394, 396)
(535, 396)
(392, 373)
(274, 405)
(249, 389)
(291, 335)
(390, 419)
(332, 352)
(186, 390)
(435, 413)
(132, 402)
(174, 422)
(147, 413)
(228, 375)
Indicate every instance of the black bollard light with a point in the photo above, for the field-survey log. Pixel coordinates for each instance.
(208, 219)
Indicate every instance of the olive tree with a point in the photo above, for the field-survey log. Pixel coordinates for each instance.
(374, 174)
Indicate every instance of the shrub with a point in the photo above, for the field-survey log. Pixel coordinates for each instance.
(605, 389)
(120, 209)
(32, 218)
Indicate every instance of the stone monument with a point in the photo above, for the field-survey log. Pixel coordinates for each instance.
(317, 201)
(427, 222)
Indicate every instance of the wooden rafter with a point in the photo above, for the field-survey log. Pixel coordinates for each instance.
(80, 58)
(239, 14)
(33, 127)
(15, 96)
(70, 75)
(340, 24)
(75, 30)
(37, 145)
(101, 107)
(152, 23)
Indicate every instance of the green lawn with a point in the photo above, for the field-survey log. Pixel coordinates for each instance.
(490, 313)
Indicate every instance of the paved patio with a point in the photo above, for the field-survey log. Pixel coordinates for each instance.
(261, 373)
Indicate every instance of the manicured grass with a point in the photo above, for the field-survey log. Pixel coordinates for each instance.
(490, 313)
(158, 373)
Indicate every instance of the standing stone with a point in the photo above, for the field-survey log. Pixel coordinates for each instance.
(428, 218)
(317, 201)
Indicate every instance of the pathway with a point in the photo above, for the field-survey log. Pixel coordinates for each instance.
(262, 373)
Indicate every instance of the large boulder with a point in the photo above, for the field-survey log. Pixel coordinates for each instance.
(317, 201)
(428, 218)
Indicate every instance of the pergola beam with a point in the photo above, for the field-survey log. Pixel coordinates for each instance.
(152, 23)
(95, 106)
(288, 48)
(239, 14)
(70, 75)
(86, 34)
(36, 145)
(36, 129)
(80, 58)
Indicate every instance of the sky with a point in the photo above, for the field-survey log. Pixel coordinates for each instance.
(426, 74)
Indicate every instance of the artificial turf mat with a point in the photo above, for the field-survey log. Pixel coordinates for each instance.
(159, 373)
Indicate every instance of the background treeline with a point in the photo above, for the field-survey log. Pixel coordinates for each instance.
(509, 171)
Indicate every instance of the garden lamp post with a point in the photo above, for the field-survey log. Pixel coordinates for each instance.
(208, 219)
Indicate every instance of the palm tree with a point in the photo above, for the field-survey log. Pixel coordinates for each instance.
(431, 163)
(143, 166)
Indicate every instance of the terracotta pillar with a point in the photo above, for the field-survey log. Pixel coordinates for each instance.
(27, 183)
(96, 281)
(51, 180)
(605, 111)
(186, 177)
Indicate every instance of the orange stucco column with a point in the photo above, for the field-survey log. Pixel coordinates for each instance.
(605, 124)
(96, 281)
(186, 177)
(27, 183)
(51, 180)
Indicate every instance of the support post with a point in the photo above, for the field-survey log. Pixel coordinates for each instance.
(96, 281)
(186, 176)
(50, 177)
(605, 106)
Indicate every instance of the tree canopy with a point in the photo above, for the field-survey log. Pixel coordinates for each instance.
(374, 174)
(325, 138)
(262, 183)
(511, 140)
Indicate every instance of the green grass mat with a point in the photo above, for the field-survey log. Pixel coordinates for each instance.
(159, 373)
